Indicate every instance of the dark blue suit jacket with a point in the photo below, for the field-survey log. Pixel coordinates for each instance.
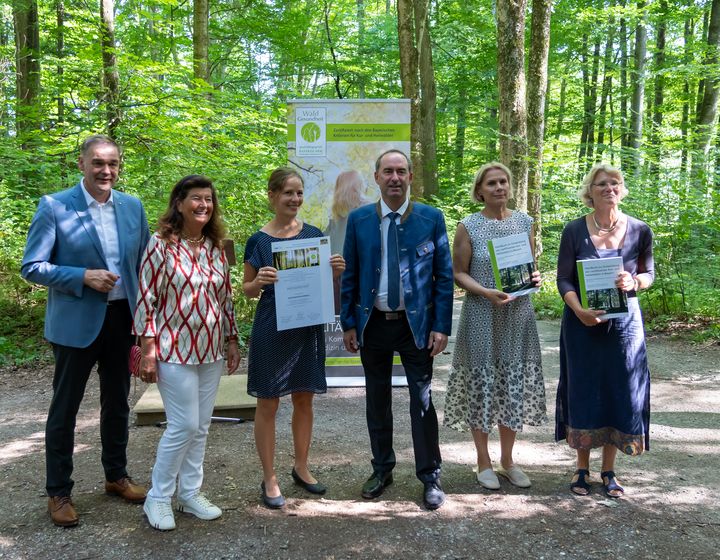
(425, 270)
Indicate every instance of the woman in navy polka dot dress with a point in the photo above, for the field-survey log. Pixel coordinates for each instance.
(282, 362)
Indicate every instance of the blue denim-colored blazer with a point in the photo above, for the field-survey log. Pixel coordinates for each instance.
(425, 270)
(62, 243)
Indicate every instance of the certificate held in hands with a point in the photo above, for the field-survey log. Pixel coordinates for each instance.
(597, 286)
(304, 290)
(512, 264)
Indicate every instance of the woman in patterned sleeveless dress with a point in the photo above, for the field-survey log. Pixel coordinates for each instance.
(496, 376)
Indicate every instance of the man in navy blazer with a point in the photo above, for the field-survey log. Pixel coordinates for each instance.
(85, 245)
(397, 295)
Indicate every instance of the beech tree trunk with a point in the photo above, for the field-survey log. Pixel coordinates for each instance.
(27, 73)
(701, 83)
(60, 53)
(561, 113)
(707, 112)
(658, 93)
(427, 150)
(201, 16)
(361, 45)
(608, 69)
(111, 79)
(536, 95)
(590, 82)
(410, 84)
(460, 126)
(510, 20)
(624, 129)
(636, 109)
(685, 122)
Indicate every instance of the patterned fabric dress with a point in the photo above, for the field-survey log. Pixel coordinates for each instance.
(496, 375)
(281, 362)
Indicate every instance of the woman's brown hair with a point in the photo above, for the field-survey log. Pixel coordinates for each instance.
(170, 223)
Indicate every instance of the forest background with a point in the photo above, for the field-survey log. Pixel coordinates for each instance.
(549, 88)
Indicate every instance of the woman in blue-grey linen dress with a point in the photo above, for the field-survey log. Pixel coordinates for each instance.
(283, 362)
(496, 376)
(603, 397)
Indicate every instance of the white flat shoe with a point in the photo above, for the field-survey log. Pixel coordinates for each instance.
(488, 479)
(516, 477)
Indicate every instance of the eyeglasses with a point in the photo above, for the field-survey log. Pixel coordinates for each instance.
(608, 184)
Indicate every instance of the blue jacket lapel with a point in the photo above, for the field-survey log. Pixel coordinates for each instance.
(81, 207)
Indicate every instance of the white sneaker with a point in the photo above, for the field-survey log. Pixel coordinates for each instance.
(516, 476)
(488, 479)
(159, 514)
(200, 507)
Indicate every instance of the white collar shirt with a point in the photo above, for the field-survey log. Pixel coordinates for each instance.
(103, 216)
(382, 295)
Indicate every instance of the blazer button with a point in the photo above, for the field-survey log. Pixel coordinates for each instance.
(377, 270)
(372, 291)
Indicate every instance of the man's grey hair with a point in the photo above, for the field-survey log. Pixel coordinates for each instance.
(90, 141)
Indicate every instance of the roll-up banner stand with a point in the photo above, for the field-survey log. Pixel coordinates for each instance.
(333, 144)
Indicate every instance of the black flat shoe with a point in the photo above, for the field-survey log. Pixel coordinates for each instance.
(273, 503)
(375, 485)
(581, 487)
(312, 487)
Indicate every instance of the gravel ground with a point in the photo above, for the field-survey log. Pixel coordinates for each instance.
(669, 510)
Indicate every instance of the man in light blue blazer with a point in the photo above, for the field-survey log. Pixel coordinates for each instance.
(85, 245)
(397, 295)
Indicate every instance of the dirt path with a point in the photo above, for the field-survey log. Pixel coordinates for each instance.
(670, 509)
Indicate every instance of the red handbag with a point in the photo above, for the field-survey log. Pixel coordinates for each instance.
(134, 360)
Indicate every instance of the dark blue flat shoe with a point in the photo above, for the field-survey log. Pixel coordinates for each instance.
(273, 503)
(313, 488)
(611, 486)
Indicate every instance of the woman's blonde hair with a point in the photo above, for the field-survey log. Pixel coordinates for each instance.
(480, 175)
(585, 190)
(349, 189)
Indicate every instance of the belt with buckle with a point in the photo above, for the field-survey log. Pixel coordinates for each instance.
(391, 315)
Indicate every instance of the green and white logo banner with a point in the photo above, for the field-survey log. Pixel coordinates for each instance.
(333, 144)
(310, 131)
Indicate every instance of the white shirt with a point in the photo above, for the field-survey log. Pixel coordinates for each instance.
(103, 216)
(381, 298)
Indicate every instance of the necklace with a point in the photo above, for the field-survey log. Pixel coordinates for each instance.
(285, 231)
(607, 230)
(194, 241)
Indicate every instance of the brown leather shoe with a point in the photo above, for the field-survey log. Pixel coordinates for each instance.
(126, 489)
(62, 512)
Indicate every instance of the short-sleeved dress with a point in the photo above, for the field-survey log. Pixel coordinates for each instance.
(603, 393)
(496, 375)
(281, 362)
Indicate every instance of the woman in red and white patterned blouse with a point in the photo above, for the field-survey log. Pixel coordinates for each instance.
(184, 317)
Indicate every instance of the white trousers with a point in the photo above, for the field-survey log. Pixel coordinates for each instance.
(188, 393)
